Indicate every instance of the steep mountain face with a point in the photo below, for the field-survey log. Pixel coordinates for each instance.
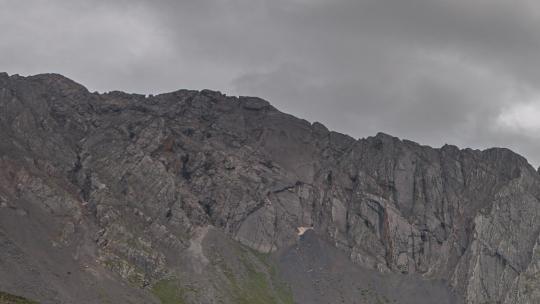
(197, 197)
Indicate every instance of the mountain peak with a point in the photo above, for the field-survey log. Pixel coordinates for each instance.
(199, 197)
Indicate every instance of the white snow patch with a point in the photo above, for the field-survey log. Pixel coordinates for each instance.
(301, 230)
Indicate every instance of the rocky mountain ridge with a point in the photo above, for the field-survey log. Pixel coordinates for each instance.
(197, 195)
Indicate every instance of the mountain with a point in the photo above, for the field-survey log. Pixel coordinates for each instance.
(198, 197)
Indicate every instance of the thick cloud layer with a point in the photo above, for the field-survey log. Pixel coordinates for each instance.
(464, 72)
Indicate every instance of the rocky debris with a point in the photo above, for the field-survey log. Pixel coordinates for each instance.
(320, 273)
(124, 184)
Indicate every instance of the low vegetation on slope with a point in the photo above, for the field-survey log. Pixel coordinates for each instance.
(6, 298)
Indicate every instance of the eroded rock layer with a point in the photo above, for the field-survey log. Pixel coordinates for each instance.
(121, 193)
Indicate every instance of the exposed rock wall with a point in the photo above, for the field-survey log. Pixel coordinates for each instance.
(140, 175)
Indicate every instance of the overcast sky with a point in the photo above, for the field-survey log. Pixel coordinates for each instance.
(464, 72)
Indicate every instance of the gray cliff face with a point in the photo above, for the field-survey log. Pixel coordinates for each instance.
(133, 192)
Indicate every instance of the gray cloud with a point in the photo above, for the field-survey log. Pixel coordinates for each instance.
(465, 72)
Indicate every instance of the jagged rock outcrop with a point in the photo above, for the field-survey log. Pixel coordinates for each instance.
(127, 186)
